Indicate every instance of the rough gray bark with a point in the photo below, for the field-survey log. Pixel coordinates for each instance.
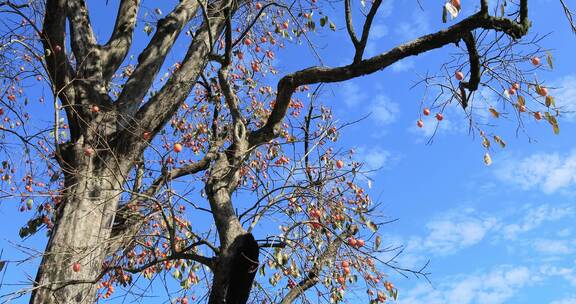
(84, 222)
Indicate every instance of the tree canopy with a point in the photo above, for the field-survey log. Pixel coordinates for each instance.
(169, 147)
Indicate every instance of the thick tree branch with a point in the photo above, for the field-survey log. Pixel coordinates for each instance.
(288, 84)
(82, 37)
(158, 110)
(484, 6)
(313, 275)
(58, 67)
(116, 49)
(151, 59)
(474, 58)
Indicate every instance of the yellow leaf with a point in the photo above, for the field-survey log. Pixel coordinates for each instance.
(487, 159)
(552, 120)
(486, 143)
(549, 60)
(550, 101)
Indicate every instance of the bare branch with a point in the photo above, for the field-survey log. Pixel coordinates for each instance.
(569, 15)
(313, 275)
(350, 24)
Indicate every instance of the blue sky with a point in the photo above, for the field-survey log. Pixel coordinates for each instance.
(493, 234)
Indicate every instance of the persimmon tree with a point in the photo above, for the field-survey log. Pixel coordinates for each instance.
(215, 167)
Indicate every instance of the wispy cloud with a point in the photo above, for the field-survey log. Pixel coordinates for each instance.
(544, 171)
(568, 300)
(375, 158)
(416, 27)
(565, 97)
(382, 110)
(403, 65)
(457, 230)
(493, 287)
(553, 247)
(351, 94)
(534, 218)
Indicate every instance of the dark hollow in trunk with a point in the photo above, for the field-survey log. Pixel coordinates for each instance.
(243, 269)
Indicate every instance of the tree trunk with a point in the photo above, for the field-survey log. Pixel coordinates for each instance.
(83, 225)
(237, 262)
(235, 271)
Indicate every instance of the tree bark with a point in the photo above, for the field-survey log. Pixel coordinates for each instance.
(83, 225)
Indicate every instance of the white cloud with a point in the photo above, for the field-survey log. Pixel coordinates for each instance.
(569, 300)
(416, 27)
(383, 110)
(493, 287)
(351, 94)
(553, 247)
(386, 9)
(565, 97)
(566, 273)
(375, 158)
(548, 172)
(457, 230)
(534, 218)
(403, 65)
(378, 31)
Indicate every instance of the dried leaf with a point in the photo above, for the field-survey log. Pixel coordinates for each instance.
(500, 141)
(521, 100)
(549, 60)
(372, 226)
(487, 159)
(485, 143)
(494, 112)
(552, 120)
(550, 101)
(377, 242)
(452, 10)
